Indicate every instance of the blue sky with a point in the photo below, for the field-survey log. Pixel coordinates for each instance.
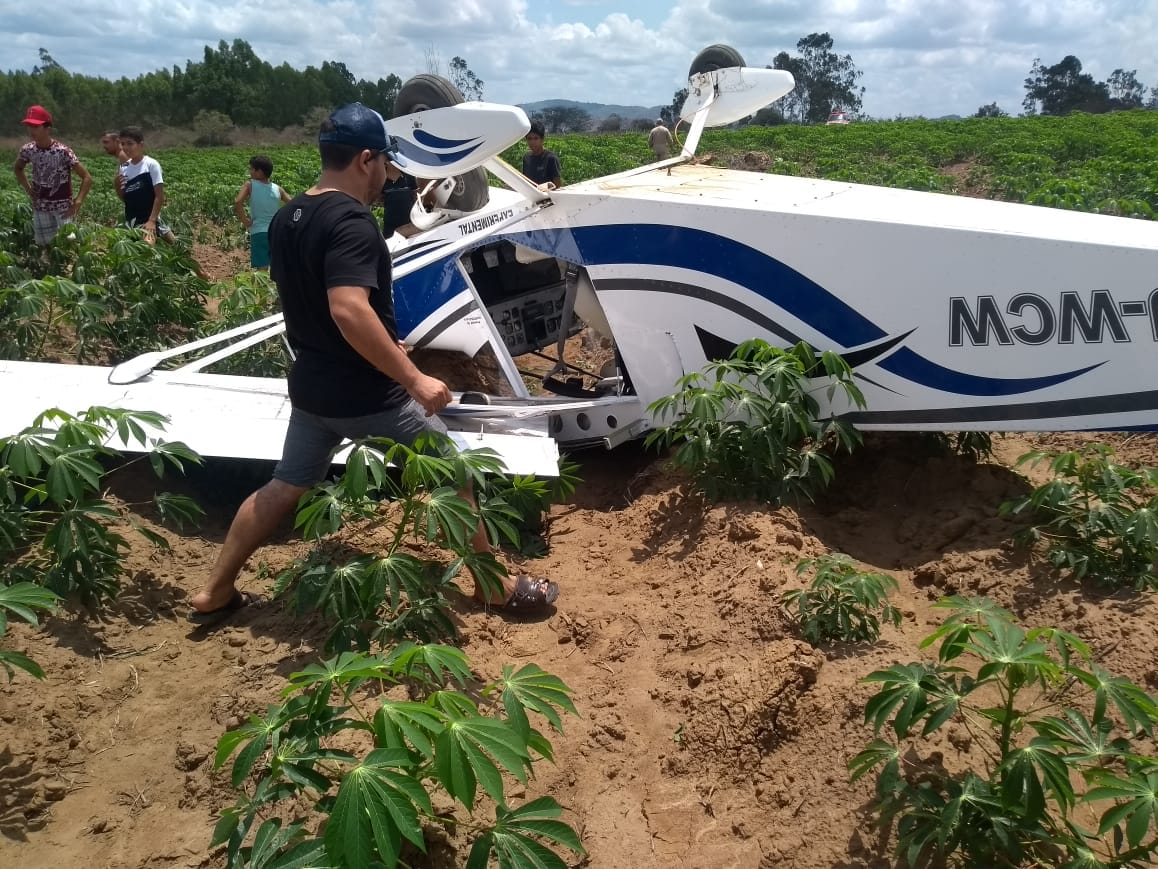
(930, 57)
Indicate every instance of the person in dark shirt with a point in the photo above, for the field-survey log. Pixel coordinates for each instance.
(539, 164)
(351, 376)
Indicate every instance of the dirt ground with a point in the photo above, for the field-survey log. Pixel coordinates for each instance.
(709, 736)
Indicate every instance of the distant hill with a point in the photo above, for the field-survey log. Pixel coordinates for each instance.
(598, 111)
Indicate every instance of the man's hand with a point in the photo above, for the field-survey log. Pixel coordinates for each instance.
(73, 208)
(149, 227)
(430, 392)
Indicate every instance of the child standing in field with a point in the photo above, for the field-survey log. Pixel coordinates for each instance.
(265, 198)
(53, 165)
(143, 188)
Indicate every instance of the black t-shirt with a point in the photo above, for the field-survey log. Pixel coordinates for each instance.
(541, 168)
(398, 197)
(317, 243)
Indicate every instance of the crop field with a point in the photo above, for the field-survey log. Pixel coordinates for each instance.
(944, 656)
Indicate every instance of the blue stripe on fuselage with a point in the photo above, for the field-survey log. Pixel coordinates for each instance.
(703, 251)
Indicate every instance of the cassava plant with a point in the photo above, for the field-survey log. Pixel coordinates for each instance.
(24, 600)
(1097, 518)
(974, 445)
(842, 603)
(748, 427)
(1059, 774)
(393, 533)
(56, 526)
(371, 804)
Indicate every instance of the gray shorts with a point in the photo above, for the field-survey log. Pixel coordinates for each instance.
(46, 224)
(311, 440)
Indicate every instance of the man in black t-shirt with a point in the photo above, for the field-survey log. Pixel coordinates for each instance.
(351, 377)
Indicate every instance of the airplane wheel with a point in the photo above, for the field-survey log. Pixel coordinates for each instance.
(426, 91)
(715, 57)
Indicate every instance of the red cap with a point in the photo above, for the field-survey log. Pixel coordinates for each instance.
(37, 116)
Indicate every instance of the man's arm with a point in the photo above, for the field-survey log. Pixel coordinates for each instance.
(85, 186)
(285, 197)
(158, 202)
(18, 170)
(238, 209)
(360, 326)
(556, 170)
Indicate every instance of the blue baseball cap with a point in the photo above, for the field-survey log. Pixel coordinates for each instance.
(358, 126)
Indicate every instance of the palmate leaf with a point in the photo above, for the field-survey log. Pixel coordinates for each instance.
(535, 689)
(13, 661)
(173, 453)
(475, 751)
(515, 838)
(321, 511)
(398, 724)
(394, 574)
(1138, 709)
(348, 670)
(178, 511)
(1022, 785)
(876, 753)
(24, 599)
(378, 805)
(430, 663)
(277, 848)
(445, 515)
(905, 694)
(1140, 809)
(1084, 743)
(73, 473)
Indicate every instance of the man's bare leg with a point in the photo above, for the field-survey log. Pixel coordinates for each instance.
(256, 520)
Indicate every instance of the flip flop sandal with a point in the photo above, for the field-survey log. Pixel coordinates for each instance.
(239, 601)
(530, 595)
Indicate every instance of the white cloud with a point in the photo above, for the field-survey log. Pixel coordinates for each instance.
(928, 57)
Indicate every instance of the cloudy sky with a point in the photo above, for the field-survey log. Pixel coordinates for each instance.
(930, 57)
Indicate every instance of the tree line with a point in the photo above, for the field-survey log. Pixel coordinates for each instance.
(230, 84)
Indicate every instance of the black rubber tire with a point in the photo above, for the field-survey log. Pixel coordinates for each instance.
(426, 91)
(715, 57)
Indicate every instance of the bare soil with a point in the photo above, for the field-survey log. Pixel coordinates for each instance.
(709, 734)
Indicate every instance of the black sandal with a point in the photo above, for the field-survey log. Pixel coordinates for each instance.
(530, 596)
(240, 600)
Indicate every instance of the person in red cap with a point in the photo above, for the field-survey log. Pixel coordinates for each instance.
(53, 165)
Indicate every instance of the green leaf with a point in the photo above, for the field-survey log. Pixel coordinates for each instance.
(535, 689)
(474, 751)
(398, 724)
(12, 661)
(178, 511)
(876, 753)
(416, 661)
(378, 805)
(72, 474)
(24, 599)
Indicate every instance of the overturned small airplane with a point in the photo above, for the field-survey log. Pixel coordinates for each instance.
(954, 313)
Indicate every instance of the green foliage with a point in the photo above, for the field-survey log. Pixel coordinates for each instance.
(55, 525)
(379, 596)
(1099, 518)
(376, 803)
(107, 294)
(747, 426)
(24, 600)
(1053, 732)
(974, 445)
(841, 604)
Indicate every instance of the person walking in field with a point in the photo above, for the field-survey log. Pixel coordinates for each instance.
(50, 188)
(143, 188)
(111, 143)
(264, 198)
(659, 140)
(351, 376)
